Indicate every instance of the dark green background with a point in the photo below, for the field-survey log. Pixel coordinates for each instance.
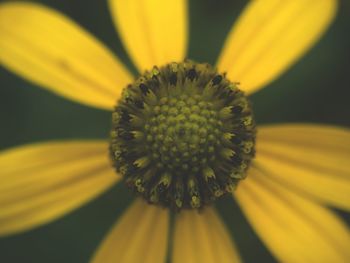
(315, 90)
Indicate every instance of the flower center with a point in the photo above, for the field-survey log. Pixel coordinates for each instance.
(183, 135)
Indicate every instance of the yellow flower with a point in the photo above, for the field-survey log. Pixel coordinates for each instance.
(298, 169)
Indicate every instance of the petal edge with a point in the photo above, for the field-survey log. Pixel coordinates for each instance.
(42, 182)
(49, 49)
(261, 46)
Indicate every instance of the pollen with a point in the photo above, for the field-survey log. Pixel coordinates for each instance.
(182, 135)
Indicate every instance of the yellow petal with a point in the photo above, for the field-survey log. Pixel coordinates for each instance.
(140, 235)
(154, 32)
(50, 50)
(41, 182)
(202, 238)
(270, 36)
(294, 228)
(312, 159)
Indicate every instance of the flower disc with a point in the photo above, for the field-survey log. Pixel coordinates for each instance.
(183, 135)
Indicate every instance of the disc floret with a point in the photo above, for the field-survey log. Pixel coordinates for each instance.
(183, 135)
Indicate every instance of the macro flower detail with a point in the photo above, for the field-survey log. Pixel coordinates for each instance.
(183, 134)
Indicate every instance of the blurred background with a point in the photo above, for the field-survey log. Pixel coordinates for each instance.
(315, 90)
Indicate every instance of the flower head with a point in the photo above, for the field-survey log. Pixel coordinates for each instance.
(183, 134)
